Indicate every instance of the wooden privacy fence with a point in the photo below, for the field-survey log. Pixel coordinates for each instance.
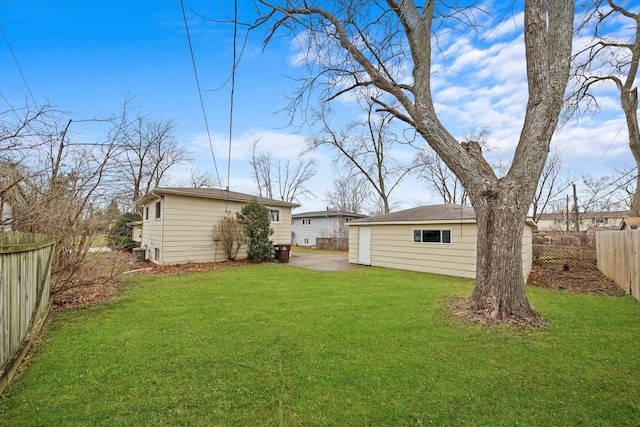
(572, 256)
(618, 258)
(332, 243)
(25, 279)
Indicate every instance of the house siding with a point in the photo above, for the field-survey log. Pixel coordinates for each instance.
(319, 227)
(183, 232)
(392, 246)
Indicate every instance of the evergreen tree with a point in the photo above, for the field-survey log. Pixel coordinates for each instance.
(257, 229)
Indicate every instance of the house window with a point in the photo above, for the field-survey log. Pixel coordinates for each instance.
(274, 215)
(146, 212)
(432, 236)
(306, 241)
(157, 210)
(306, 221)
(293, 221)
(156, 254)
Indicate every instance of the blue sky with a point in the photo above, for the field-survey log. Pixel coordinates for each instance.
(87, 56)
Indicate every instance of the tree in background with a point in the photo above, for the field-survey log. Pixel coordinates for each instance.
(611, 56)
(280, 180)
(119, 236)
(355, 45)
(257, 230)
(229, 234)
(148, 148)
(349, 194)
(363, 148)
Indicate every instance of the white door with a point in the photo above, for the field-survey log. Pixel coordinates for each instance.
(364, 245)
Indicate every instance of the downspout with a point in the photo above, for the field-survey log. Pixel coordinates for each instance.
(162, 230)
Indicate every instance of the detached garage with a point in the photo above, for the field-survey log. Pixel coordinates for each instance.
(439, 239)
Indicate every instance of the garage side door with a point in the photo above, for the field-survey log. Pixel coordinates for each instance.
(364, 245)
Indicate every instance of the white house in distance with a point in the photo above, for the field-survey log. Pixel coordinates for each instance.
(604, 220)
(177, 222)
(439, 239)
(308, 226)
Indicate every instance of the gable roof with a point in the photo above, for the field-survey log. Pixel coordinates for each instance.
(211, 193)
(585, 215)
(630, 222)
(326, 213)
(446, 213)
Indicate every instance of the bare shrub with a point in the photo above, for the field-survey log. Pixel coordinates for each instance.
(228, 234)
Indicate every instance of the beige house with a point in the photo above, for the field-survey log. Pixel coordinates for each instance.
(439, 239)
(589, 221)
(177, 222)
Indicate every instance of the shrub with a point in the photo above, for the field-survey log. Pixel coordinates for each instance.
(257, 229)
(119, 237)
(228, 234)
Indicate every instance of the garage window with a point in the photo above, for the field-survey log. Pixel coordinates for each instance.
(431, 236)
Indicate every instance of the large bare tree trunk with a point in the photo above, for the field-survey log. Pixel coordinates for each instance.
(499, 292)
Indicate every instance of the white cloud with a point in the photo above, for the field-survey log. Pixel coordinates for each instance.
(281, 145)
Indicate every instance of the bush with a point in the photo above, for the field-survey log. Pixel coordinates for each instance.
(257, 229)
(228, 234)
(119, 237)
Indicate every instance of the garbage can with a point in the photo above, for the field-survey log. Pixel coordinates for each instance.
(283, 253)
(276, 252)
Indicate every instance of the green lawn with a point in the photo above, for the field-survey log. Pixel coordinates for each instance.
(275, 345)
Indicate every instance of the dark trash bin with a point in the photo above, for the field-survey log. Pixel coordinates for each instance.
(284, 252)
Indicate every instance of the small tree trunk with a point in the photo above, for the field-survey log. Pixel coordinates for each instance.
(499, 292)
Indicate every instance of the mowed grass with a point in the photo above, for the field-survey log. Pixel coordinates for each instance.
(277, 345)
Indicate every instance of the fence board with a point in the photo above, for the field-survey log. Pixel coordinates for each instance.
(25, 280)
(618, 258)
(572, 256)
(332, 243)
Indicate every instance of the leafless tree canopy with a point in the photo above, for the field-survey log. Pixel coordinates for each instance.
(610, 57)
(349, 194)
(363, 148)
(281, 180)
(351, 46)
(148, 148)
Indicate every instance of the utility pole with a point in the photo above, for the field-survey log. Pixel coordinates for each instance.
(566, 214)
(575, 208)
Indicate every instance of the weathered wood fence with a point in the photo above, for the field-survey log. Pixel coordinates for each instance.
(25, 279)
(618, 258)
(572, 256)
(332, 243)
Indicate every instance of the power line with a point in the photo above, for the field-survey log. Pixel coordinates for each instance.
(605, 151)
(15, 59)
(233, 86)
(195, 72)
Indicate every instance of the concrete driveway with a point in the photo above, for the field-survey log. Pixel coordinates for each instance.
(322, 262)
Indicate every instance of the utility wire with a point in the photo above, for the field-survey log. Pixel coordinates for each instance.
(233, 86)
(605, 151)
(15, 59)
(195, 72)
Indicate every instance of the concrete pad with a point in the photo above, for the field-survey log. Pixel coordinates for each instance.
(322, 262)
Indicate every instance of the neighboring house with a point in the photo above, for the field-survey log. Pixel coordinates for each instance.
(178, 222)
(6, 215)
(632, 222)
(307, 227)
(439, 239)
(136, 230)
(589, 221)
